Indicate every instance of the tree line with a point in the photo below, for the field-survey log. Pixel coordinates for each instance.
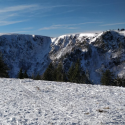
(108, 78)
(75, 74)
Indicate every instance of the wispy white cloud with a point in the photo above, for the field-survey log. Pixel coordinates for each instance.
(73, 27)
(56, 6)
(66, 26)
(84, 23)
(31, 7)
(113, 24)
(12, 14)
(65, 12)
(17, 8)
(3, 23)
(9, 14)
(27, 28)
(57, 27)
(20, 31)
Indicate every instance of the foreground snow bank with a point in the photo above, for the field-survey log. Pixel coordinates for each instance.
(29, 102)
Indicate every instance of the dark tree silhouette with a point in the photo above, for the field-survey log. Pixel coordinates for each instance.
(48, 74)
(20, 74)
(107, 78)
(3, 67)
(25, 74)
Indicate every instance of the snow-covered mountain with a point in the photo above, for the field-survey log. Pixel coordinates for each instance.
(27, 51)
(97, 52)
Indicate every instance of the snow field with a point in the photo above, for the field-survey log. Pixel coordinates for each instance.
(29, 102)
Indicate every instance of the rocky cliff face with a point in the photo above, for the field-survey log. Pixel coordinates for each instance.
(97, 52)
(27, 51)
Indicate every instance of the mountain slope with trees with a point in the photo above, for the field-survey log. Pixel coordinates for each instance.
(97, 52)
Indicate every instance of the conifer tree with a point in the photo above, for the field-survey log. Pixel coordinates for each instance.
(38, 77)
(25, 74)
(54, 74)
(123, 84)
(77, 72)
(33, 77)
(64, 76)
(70, 72)
(59, 73)
(3, 67)
(48, 74)
(107, 78)
(119, 81)
(83, 78)
(20, 74)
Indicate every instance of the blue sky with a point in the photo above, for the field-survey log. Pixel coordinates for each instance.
(58, 17)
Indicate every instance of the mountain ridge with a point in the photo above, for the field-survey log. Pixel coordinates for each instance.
(97, 52)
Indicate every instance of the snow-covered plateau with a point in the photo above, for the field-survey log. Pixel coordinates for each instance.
(29, 102)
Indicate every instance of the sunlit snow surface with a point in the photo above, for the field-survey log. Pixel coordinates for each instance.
(28, 102)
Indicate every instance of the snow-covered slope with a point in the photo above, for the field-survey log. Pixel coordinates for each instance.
(63, 44)
(29, 52)
(97, 52)
(28, 102)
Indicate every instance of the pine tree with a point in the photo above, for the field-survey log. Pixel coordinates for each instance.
(123, 84)
(25, 74)
(54, 74)
(3, 67)
(64, 76)
(33, 77)
(70, 72)
(20, 74)
(119, 81)
(59, 73)
(107, 78)
(83, 78)
(77, 72)
(38, 77)
(48, 74)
